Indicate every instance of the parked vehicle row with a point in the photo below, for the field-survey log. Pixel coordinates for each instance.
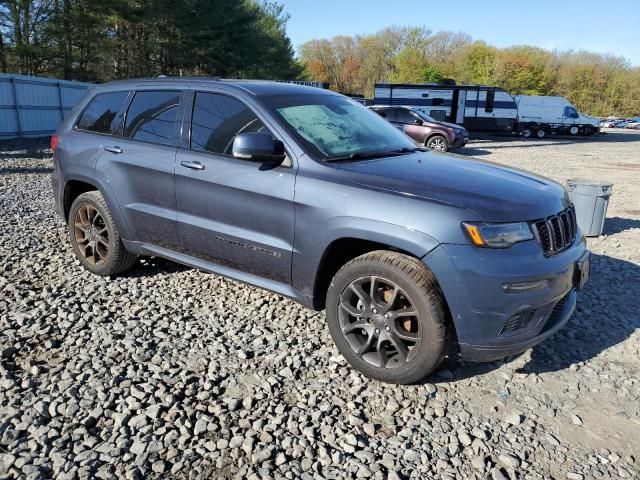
(481, 108)
(414, 255)
(633, 123)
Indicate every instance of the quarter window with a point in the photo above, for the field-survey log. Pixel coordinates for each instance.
(152, 117)
(216, 121)
(100, 114)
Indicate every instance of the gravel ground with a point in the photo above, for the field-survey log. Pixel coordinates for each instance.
(168, 372)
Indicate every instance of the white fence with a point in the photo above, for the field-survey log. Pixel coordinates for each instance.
(33, 106)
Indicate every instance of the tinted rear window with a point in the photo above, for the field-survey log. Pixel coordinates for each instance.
(100, 114)
(152, 117)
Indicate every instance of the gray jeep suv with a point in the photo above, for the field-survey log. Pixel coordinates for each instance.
(414, 254)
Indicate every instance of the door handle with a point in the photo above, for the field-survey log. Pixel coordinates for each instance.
(192, 165)
(114, 149)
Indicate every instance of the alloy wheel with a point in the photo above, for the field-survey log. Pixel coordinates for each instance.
(91, 234)
(438, 144)
(379, 322)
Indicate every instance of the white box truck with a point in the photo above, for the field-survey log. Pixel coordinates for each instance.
(540, 116)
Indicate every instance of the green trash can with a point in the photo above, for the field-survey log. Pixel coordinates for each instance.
(591, 200)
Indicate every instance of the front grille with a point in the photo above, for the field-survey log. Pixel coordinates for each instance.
(557, 232)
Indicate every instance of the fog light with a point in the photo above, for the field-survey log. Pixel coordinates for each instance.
(517, 322)
(524, 286)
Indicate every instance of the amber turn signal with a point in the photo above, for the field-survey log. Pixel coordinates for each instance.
(474, 234)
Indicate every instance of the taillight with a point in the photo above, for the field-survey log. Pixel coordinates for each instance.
(54, 142)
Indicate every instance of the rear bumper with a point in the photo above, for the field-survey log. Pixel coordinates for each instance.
(58, 190)
(492, 323)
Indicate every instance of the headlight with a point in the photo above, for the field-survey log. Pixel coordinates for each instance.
(497, 235)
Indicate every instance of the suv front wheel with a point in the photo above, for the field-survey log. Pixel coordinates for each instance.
(387, 316)
(438, 142)
(95, 237)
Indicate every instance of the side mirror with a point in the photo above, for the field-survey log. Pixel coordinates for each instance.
(417, 121)
(258, 147)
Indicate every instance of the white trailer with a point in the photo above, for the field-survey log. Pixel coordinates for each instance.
(478, 108)
(542, 115)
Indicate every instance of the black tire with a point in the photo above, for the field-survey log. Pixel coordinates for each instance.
(574, 130)
(588, 131)
(541, 133)
(415, 285)
(107, 256)
(527, 132)
(438, 143)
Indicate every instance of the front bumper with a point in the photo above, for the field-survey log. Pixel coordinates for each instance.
(460, 141)
(483, 313)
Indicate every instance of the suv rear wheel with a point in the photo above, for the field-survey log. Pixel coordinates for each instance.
(95, 237)
(438, 142)
(387, 316)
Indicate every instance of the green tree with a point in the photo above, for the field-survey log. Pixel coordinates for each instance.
(412, 66)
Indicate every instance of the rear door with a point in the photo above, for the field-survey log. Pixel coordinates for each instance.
(231, 211)
(139, 166)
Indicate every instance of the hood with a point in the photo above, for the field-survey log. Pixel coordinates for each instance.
(589, 119)
(494, 193)
(451, 125)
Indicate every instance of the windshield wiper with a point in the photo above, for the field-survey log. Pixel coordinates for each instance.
(381, 154)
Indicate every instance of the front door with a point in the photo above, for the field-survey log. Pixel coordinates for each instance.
(139, 167)
(570, 116)
(231, 211)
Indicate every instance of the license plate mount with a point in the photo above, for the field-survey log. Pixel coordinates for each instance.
(583, 270)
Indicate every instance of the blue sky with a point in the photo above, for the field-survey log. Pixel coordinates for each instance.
(603, 26)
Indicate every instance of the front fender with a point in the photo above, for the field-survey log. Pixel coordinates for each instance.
(306, 264)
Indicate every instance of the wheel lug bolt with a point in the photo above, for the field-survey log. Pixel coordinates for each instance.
(377, 331)
(375, 311)
(387, 328)
(386, 315)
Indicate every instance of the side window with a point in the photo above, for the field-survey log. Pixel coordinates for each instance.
(391, 114)
(491, 97)
(152, 117)
(437, 102)
(405, 116)
(216, 121)
(100, 114)
(570, 112)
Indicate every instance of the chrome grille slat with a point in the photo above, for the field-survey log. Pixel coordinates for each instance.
(556, 232)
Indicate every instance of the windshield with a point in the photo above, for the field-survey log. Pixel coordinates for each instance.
(332, 126)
